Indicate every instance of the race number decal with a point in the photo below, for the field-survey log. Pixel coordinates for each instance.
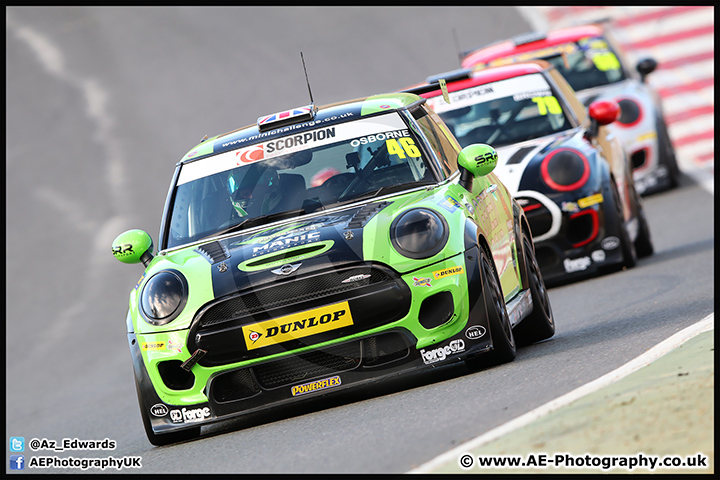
(547, 104)
(402, 146)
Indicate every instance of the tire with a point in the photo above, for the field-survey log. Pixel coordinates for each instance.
(539, 325)
(160, 440)
(643, 243)
(666, 154)
(628, 248)
(504, 349)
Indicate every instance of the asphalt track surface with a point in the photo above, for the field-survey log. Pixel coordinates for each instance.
(101, 103)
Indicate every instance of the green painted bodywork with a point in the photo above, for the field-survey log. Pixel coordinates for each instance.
(459, 204)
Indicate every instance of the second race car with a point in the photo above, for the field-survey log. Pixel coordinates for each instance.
(566, 170)
(597, 68)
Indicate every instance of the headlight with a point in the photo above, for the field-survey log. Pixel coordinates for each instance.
(419, 233)
(163, 297)
(630, 112)
(565, 170)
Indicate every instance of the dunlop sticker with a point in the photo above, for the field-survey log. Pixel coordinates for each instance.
(447, 272)
(152, 346)
(315, 386)
(297, 325)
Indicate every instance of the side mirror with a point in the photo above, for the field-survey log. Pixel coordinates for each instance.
(604, 112)
(646, 66)
(477, 160)
(601, 112)
(133, 246)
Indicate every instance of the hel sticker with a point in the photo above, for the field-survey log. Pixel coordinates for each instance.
(159, 410)
(598, 256)
(421, 282)
(475, 332)
(447, 272)
(152, 346)
(315, 386)
(610, 243)
(297, 325)
(591, 200)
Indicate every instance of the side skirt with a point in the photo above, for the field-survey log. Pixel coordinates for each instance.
(520, 307)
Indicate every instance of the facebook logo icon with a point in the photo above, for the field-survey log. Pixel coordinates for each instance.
(17, 462)
(17, 444)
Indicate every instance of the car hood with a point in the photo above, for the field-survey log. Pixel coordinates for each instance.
(514, 159)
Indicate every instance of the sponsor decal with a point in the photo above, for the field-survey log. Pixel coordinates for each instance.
(378, 137)
(293, 143)
(421, 282)
(441, 353)
(449, 204)
(291, 241)
(576, 264)
(356, 278)
(142, 277)
(176, 346)
(541, 53)
(598, 256)
(159, 410)
(297, 325)
(591, 200)
(475, 332)
(189, 415)
(315, 386)
(251, 154)
(610, 243)
(448, 272)
(152, 346)
(570, 207)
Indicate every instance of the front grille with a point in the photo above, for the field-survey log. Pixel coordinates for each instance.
(369, 352)
(290, 292)
(308, 365)
(375, 295)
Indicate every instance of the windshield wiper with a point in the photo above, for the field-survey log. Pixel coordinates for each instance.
(251, 222)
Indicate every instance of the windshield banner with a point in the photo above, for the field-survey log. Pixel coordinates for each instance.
(359, 130)
(526, 86)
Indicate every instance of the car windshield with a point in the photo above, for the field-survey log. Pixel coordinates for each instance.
(295, 174)
(589, 62)
(503, 112)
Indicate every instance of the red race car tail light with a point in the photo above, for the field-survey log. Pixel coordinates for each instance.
(565, 170)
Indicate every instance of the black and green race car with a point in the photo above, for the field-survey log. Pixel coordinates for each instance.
(321, 249)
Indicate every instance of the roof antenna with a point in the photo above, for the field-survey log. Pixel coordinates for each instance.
(457, 46)
(306, 79)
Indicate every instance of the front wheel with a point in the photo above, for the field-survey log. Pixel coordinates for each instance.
(540, 324)
(498, 320)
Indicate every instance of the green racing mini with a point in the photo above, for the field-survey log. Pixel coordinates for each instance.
(321, 249)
